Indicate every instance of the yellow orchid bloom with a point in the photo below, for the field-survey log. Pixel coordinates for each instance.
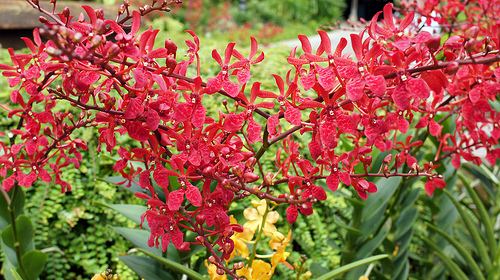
(212, 272)
(260, 270)
(255, 216)
(240, 240)
(281, 253)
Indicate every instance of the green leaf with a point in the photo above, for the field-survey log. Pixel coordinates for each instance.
(474, 232)
(9, 271)
(174, 266)
(11, 274)
(138, 237)
(385, 190)
(34, 262)
(461, 250)
(9, 253)
(485, 217)
(451, 266)
(405, 269)
(130, 211)
(338, 271)
(17, 203)
(369, 247)
(24, 236)
(146, 268)
(405, 221)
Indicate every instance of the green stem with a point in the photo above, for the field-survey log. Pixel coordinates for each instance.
(259, 235)
(177, 267)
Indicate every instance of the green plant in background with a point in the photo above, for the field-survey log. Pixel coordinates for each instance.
(21, 260)
(469, 247)
(284, 11)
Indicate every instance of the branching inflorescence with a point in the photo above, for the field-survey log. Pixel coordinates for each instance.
(401, 83)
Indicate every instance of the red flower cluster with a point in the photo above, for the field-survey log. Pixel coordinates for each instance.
(402, 83)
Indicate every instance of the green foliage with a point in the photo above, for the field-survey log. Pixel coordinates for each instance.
(284, 11)
(21, 260)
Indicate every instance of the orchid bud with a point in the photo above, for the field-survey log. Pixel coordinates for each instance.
(451, 68)
(250, 177)
(472, 32)
(171, 63)
(387, 158)
(434, 43)
(268, 179)
(208, 170)
(43, 20)
(171, 47)
(250, 162)
(66, 12)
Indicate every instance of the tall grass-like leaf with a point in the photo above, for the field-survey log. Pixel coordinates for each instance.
(174, 266)
(474, 232)
(485, 217)
(461, 250)
(146, 268)
(452, 267)
(338, 271)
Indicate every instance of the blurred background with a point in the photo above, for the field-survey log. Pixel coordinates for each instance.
(270, 20)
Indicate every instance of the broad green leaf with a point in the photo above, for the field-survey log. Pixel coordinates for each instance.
(146, 268)
(24, 234)
(338, 271)
(411, 196)
(33, 263)
(131, 211)
(17, 204)
(447, 215)
(385, 189)
(405, 221)
(12, 274)
(10, 254)
(369, 247)
(138, 237)
(117, 180)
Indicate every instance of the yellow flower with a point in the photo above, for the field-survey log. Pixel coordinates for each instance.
(363, 277)
(255, 216)
(212, 272)
(260, 270)
(280, 247)
(240, 240)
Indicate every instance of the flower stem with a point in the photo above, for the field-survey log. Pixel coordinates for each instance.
(259, 235)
